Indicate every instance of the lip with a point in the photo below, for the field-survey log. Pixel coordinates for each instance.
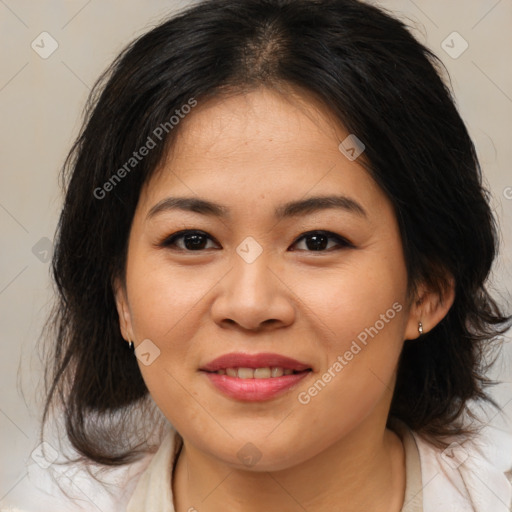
(254, 390)
(262, 360)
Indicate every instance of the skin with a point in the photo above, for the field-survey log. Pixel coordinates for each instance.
(252, 153)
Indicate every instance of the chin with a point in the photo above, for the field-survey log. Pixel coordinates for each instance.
(259, 456)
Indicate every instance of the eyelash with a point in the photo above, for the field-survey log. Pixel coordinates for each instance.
(169, 241)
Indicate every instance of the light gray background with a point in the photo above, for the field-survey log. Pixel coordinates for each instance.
(41, 101)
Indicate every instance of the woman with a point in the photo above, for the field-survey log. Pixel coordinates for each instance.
(275, 232)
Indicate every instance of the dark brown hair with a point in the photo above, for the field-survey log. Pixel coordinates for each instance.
(382, 85)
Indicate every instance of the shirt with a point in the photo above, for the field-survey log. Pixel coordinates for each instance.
(469, 476)
(457, 479)
(153, 491)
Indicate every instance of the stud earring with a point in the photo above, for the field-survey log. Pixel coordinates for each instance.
(420, 328)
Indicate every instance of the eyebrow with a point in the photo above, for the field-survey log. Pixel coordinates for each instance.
(287, 210)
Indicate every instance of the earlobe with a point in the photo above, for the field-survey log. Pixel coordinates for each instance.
(123, 310)
(429, 308)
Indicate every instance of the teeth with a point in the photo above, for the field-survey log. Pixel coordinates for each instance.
(255, 373)
(261, 373)
(245, 373)
(277, 372)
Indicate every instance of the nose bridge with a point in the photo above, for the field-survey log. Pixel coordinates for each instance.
(251, 293)
(251, 273)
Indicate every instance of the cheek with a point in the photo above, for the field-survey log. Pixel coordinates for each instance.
(162, 302)
(350, 299)
(366, 321)
(162, 297)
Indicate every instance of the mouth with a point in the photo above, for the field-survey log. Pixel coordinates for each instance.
(256, 377)
(258, 373)
(260, 362)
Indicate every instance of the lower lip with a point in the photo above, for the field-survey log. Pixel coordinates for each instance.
(254, 390)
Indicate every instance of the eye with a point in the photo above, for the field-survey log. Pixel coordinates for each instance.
(319, 240)
(192, 240)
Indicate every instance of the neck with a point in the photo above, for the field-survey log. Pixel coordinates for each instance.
(363, 471)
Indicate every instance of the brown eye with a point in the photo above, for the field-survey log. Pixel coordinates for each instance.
(188, 240)
(319, 240)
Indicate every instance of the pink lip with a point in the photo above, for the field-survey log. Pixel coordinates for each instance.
(263, 360)
(253, 390)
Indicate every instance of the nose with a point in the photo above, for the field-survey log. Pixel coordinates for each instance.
(254, 297)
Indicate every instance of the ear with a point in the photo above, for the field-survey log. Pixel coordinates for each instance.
(123, 310)
(429, 307)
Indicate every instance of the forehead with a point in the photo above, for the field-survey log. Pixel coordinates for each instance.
(260, 144)
(265, 118)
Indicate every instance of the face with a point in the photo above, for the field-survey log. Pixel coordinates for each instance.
(310, 292)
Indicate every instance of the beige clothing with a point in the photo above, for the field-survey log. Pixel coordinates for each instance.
(470, 476)
(413, 500)
(153, 492)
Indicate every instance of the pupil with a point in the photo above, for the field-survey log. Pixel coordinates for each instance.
(319, 242)
(194, 241)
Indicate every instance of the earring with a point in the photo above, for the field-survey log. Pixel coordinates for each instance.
(130, 344)
(420, 328)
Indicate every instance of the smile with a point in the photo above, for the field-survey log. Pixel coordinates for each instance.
(255, 373)
(255, 377)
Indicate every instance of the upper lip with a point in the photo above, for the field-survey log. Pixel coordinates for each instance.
(262, 360)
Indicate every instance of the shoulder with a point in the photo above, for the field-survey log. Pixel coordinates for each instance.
(470, 474)
(72, 488)
(153, 491)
